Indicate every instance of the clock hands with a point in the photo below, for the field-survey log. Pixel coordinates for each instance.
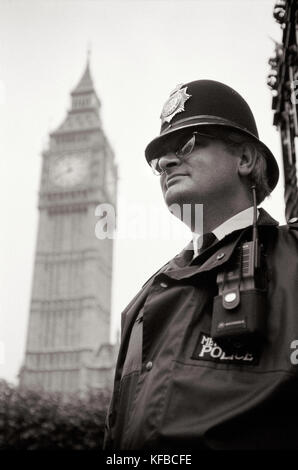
(69, 171)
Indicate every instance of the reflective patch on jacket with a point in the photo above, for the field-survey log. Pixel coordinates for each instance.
(208, 350)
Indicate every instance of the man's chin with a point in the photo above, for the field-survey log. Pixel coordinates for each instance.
(174, 195)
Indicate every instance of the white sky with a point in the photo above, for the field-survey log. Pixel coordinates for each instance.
(140, 51)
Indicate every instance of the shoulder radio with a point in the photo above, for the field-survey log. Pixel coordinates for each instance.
(239, 309)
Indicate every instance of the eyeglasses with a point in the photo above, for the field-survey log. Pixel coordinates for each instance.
(183, 151)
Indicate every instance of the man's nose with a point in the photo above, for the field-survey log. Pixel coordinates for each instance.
(169, 160)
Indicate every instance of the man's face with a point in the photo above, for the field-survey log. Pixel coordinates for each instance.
(207, 175)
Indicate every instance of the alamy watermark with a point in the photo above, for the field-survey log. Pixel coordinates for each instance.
(294, 96)
(294, 354)
(147, 222)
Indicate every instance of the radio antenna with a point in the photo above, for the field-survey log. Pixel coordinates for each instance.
(254, 227)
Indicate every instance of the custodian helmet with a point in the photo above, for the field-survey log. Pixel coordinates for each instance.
(209, 103)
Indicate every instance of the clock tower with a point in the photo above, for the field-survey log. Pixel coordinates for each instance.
(68, 346)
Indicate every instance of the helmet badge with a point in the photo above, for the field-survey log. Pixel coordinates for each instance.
(175, 103)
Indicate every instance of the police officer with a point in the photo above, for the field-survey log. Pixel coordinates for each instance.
(183, 378)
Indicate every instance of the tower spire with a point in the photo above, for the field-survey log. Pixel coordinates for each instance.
(86, 82)
(85, 105)
(88, 52)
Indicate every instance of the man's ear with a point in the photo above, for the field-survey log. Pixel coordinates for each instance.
(247, 159)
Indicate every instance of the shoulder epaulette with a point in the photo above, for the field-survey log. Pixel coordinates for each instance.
(155, 274)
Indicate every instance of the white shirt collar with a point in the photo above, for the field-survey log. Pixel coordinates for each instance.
(241, 220)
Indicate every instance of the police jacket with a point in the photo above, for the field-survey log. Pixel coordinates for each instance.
(188, 392)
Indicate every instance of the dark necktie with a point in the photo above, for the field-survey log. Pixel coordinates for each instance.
(187, 256)
(208, 240)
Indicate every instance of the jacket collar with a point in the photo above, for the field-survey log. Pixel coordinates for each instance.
(266, 219)
(216, 255)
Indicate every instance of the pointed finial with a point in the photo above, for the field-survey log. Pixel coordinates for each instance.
(88, 51)
(278, 46)
(273, 40)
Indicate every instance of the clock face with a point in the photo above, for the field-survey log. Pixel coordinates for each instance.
(69, 170)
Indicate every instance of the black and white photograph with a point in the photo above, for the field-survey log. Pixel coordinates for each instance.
(149, 236)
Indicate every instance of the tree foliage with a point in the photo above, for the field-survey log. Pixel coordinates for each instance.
(31, 419)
